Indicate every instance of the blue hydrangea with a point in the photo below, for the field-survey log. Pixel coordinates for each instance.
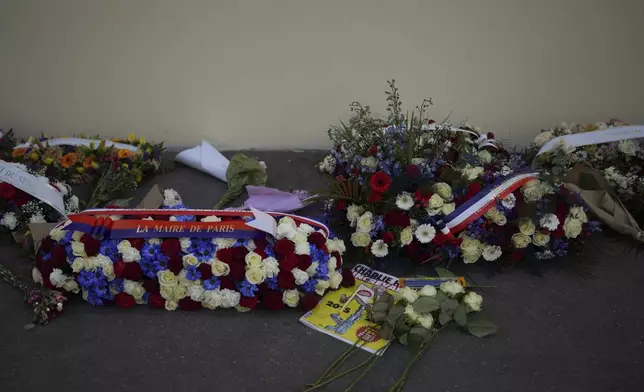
(309, 285)
(247, 289)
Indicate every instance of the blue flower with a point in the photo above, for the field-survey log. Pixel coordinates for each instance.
(118, 284)
(272, 283)
(192, 273)
(46, 256)
(109, 249)
(309, 285)
(150, 250)
(211, 284)
(247, 289)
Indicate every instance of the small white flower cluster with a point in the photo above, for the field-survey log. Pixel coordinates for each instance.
(327, 165)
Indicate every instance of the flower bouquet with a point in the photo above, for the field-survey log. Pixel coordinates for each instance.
(189, 259)
(439, 193)
(7, 142)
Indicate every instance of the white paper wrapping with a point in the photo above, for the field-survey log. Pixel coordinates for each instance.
(32, 185)
(206, 158)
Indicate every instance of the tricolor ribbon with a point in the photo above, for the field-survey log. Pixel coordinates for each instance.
(73, 141)
(481, 140)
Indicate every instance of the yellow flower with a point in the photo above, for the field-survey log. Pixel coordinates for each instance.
(80, 169)
(141, 140)
(131, 138)
(48, 161)
(34, 156)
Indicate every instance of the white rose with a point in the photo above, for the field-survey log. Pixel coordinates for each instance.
(285, 230)
(190, 259)
(78, 249)
(185, 243)
(406, 236)
(299, 238)
(57, 278)
(335, 279)
(404, 201)
(520, 240)
(470, 258)
(219, 268)
(312, 270)
(224, 243)
(212, 299)
(473, 301)
(540, 239)
(291, 298)
(365, 222)
(300, 276)
(532, 191)
(409, 295)
(360, 239)
(444, 191)
(303, 249)
(472, 172)
(379, 248)
(123, 245)
(336, 245)
(71, 286)
(578, 213)
(271, 267)
(167, 278)
(256, 275)
(253, 260)
(426, 321)
(435, 202)
(179, 292)
(78, 265)
(509, 201)
(77, 235)
(130, 254)
(448, 208)
(171, 305)
(197, 293)
(133, 288)
(451, 288)
(485, 157)
(211, 218)
(542, 138)
(428, 291)
(353, 213)
(321, 287)
(411, 314)
(500, 219)
(572, 227)
(57, 234)
(166, 292)
(305, 229)
(526, 226)
(471, 249)
(108, 271)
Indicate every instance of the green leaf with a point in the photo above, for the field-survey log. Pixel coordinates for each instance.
(449, 304)
(394, 314)
(440, 296)
(426, 304)
(386, 331)
(460, 315)
(479, 326)
(379, 317)
(402, 328)
(444, 273)
(444, 318)
(380, 307)
(417, 336)
(403, 339)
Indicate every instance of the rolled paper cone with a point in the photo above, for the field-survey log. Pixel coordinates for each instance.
(270, 199)
(205, 158)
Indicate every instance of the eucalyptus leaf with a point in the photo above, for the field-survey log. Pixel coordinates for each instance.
(426, 304)
(424, 333)
(394, 314)
(440, 296)
(403, 339)
(444, 273)
(460, 315)
(402, 328)
(386, 331)
(449, 304)
(380, 307)
(479, 326)
(379, 317)
(444, 318)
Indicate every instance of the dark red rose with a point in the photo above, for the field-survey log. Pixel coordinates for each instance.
(374, 197)
(58, 256)
(7, 191)
(132, 271)
(413, 171)
(472, 190)
(227, 283)
(284, 247)
(373, 151)
(237, 271)
(119, 267)
(263, 288)
(412, 250)
(92, 245)
(170, 246)
(39, 262)
(338, 257)
(341, 205)
(305, 262)
(46, 244)
(239, 253)
(21, 198)
(151, 286)
(517, 255)
(124, 300)
(288, 262)
(379, 182)
(189, 304)
(316, 238)
(137, 243)
(175, 264)
(561, 211)
(225, 255)
(387, 237)
(261, 252)
(273, 300)
(260, 243)
(206, 271)
(309, 301)
(156, 301)
(396, 218)
(559, 233)
(248, 302)
(286, 280)
(348, 280)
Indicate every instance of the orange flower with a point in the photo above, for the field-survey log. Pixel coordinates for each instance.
(68, 160)
(124, 154)
(18, 152)
(87, 162)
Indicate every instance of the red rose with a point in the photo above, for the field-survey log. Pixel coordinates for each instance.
(288, 262)
(156, 301)
(396, 218)
(309, 301)
(170, 246)
(239, 253)
(21, 198)
(189, 304)
(316, 238)
(58, 256)
(7, 191)
(151, 286)
(273, 300)
(341, 205)
(373, 151)
(263, 288)
(226, 283)
(374, 197)
(205, 270)
(348, 280)
(237, 271)
(92, 245)
(260, 243)
(559, 233)
(132, 271)
(39, 262)
(379, 182)
(124, 300)
(472, 190)
(338, 258)
(285, 280)
(175, 264)
(412, 250)
(284, 247)
(225, 255)
(517, 255)
(413, 171)
(119, 267)
(248, 302)
(304, 262)
(46, 244)
(387, 237)
(137, 243)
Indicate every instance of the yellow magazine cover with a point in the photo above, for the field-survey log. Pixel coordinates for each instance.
(348, 321)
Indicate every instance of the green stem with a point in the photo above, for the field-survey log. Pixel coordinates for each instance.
(337, 363)
(400, 383)
(364, 372)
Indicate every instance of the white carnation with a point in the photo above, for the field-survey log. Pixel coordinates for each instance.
(229, 298)
(549, 221)
(425, 233)
(300, 276)
(271, 267)
(404, 201)
(9, 220)
(491, 252)
(170, 198)
(509, 201)
(379, 248)
(57, 278)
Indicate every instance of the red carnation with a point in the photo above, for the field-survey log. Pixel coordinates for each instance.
(412, 250)
(338, 257)
(189, 304)
(273, 300)
(413, 171)
(137, 243)
(156, 301)
(92, 245)
(284, 247)
(374, 197)
(175, 264)
(396, 218)
(341, 205)
(225, 255)
(151, 286)
(132, 271)
(387, 237)
(309, 301)
(46, 244)
(348, 280)
(237, 271)
(305, 262)
(248, 302)
(379, 182)
(124, 300)
(21, 198)
(205, 270)
(260, 243)
(58, 256)
(316, 238)
(373, 151)
(170, 246)
(7, 191)
(285, 280)
(119, 267)
(226, 283)
(288, 262)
